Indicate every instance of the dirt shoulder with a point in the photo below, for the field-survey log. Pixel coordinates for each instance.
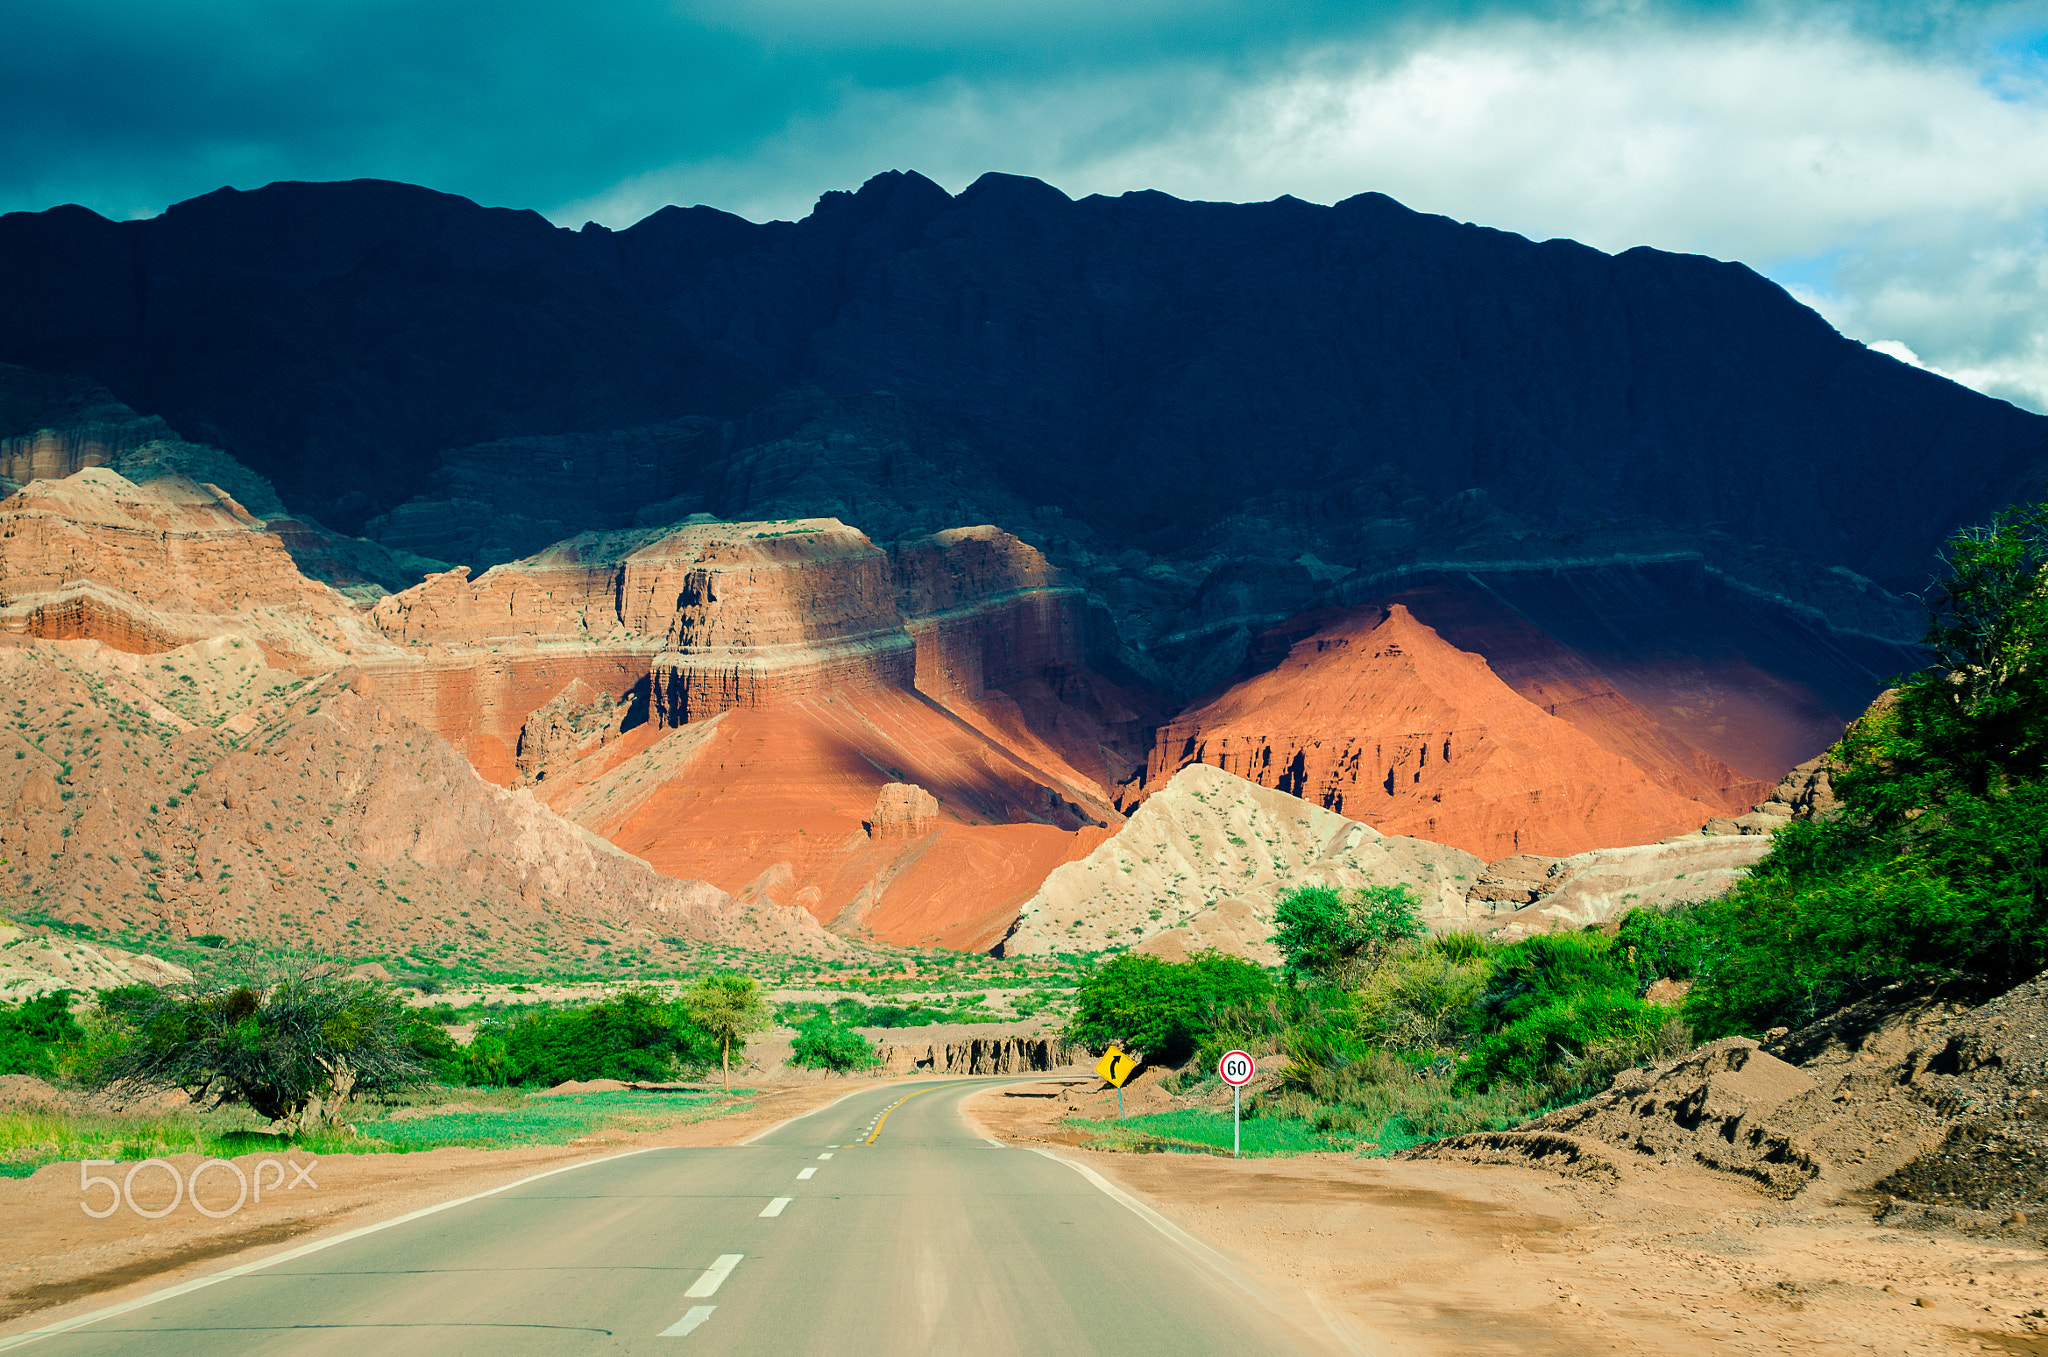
(1436, 1257)
(60, 1261)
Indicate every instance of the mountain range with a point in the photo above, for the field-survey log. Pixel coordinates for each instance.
(706, 533)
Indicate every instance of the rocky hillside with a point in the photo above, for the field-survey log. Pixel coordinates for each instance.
(1202, 862)
(197, 791)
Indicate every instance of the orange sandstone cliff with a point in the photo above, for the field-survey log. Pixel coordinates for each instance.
(1378, 718)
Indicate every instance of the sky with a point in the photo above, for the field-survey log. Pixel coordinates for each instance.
(1886, 163)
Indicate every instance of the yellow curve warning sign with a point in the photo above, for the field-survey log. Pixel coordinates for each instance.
(1116, 1066)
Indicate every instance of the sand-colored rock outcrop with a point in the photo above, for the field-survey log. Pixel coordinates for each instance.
(904, 811)
(32, 964)
(1202, 862)
(1924, 1097)
(1605, 883)
(1377, 718)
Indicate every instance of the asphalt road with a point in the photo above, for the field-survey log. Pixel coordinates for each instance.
(879, 1225)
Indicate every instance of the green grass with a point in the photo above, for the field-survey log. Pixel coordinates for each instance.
(540, 1121)
(29, 1140)
(1193, 1131)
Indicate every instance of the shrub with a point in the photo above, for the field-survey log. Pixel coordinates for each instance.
(297, 1050)
(822, 1044)
(630, 1037)
(34, 1032)
(1559, 1008)
(1323, 934)
(1161, 1008)
(1423, 998)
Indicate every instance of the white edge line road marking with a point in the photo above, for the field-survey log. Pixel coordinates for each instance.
(698, 1314)
(805, 1173)
(995, 1144)
(714, 1276)
(774, 1208)
(182, 1288)
(1216, 1261)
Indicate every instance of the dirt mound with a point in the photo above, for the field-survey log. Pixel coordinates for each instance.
(1926, 1099)
(1712, 1108)
(582, 1086)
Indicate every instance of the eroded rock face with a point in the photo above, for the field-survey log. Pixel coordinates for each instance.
(904, 811)
(149, 567)
(1376, 718)
(199, 791)
(997, 1054)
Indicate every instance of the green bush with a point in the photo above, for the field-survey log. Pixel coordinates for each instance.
(294, 1046)
(822, 1044)
(631, 1037)
(34, 1033)
(1322, 934)
(1161, 1008)
(1938, 862)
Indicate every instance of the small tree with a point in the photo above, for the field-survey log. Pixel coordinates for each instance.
(296, 1050)
(822, 1044)
(729, 1006)
(1162, 1008)
(1327, 936)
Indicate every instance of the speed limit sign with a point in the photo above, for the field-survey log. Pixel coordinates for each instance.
(1236, 1069)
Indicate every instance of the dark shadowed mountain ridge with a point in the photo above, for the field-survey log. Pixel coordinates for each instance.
(1164, 362)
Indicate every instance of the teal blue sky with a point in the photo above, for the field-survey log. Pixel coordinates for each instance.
(1889, 163)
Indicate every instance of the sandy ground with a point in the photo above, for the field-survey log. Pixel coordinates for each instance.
(56, 1260)
(1449, 1258)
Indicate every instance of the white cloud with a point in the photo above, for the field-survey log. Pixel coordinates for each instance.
(1917, 179)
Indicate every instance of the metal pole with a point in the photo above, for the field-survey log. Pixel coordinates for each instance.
(1236, 1113)
(1119, 1102)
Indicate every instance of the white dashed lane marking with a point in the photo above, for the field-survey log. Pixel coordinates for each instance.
(824, 1156)
(697, 1315)
(805, 1174)
(774, 1208)
(715, 1275)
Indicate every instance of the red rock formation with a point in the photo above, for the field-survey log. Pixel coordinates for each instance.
(771, 803)
(1378, 718)
(1566, 683)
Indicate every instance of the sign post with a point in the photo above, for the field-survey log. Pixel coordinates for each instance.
(1236, 1069)
(1115, 1067)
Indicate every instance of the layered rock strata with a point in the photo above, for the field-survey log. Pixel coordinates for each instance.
(150, 567)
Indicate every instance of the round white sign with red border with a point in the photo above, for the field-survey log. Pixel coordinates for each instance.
(1236, 1068)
